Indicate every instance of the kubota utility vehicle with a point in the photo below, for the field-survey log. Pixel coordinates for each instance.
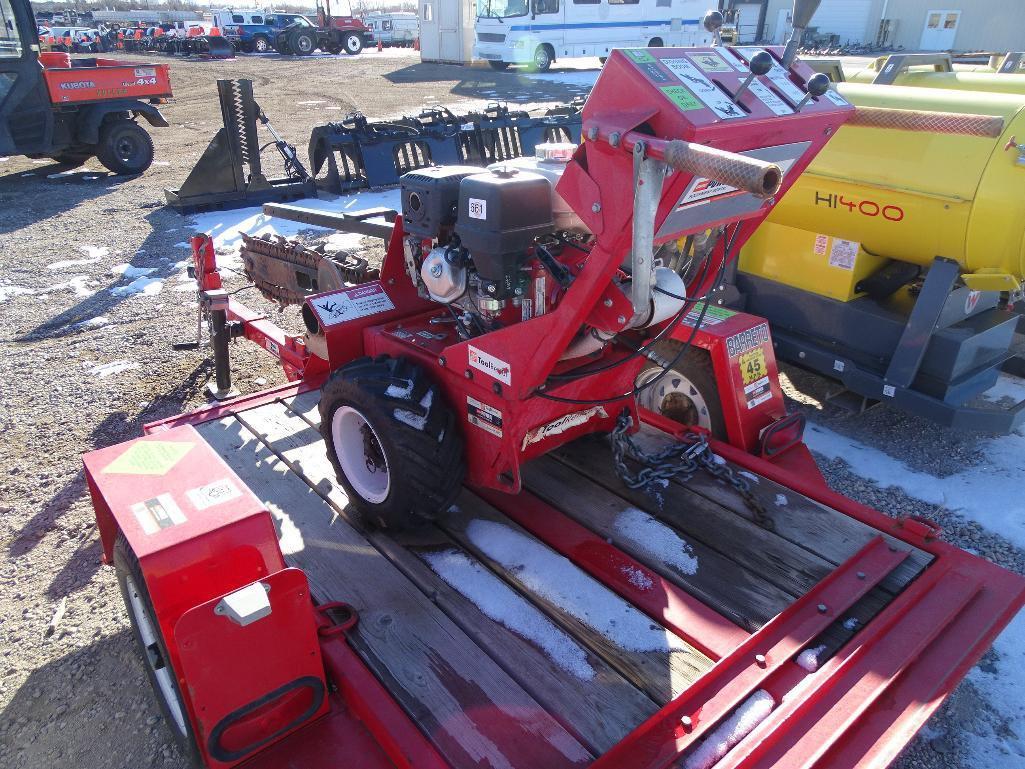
(457, 540)
(71, 109)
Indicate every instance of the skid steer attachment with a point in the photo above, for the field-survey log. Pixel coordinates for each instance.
(230, 173)
(357, 153)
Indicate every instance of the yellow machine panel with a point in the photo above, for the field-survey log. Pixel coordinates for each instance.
(904, 195)
(983, 82)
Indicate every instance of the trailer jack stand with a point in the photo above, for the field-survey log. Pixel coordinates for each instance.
(221, 333)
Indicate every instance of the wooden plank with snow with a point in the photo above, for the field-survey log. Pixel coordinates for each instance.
(465, 703)
(822, 530)
(732, 581)
(590, 698)
(652, 657)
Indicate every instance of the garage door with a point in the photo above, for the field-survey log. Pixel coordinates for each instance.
(846, 18)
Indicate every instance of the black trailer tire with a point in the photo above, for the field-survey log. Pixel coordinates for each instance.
(687, 393)
(73, 157)
(302, 42)
(260, 44)
(499, 66)
(281, 44)
(125, 147)
(392, 440)
(153, 649)
(352, 43)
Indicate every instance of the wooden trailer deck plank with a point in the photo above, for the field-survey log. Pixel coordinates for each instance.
(728, 555)
(586, 695)
(750, 599)
(817, 528)
(654, 659)
(470, 708)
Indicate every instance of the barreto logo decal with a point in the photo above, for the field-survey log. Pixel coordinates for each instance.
(747, 340)
(562, 424)
(491, 365)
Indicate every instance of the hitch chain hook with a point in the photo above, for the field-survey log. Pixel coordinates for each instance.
(679, 460)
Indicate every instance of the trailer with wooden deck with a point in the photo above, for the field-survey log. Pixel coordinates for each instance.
(456, 538)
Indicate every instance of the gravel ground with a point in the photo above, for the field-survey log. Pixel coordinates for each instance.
(86, 364)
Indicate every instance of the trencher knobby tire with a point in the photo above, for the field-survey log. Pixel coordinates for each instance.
(392, 440)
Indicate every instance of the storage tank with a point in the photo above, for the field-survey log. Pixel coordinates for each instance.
(909, 196)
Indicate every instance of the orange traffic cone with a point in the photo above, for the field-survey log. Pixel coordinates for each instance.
(416, 44)
(380, 46)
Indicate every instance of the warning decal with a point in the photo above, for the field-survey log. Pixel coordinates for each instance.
(212, 494)
(158, 513)
(359, 302)
(714, 98)
(756, 393)
(843, 254)
(487, 418)
(149, 458)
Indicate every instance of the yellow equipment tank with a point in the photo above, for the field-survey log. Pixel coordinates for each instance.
(875, 194)
(988, 82)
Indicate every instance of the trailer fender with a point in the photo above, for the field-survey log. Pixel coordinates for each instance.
(92, 117)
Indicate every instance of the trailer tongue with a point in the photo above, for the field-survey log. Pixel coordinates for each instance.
(421, 552)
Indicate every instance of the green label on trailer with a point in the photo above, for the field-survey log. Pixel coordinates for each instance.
(149, 458)
(640, 56)
(682, 97)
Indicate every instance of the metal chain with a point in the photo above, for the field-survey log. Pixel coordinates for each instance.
(679, 460)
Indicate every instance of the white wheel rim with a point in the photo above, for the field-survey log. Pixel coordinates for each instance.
(261, 46)
(670, 393)
(352, 44)
(540, 58)
(304, 44)
(148, 633)
(349, 434)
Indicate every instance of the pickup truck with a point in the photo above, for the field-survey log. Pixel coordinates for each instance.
(259, 38)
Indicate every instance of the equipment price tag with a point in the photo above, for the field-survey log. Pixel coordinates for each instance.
(752, 365)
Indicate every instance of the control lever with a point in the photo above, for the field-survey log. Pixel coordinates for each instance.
(761, 64)
(817, 85)
(712, 22)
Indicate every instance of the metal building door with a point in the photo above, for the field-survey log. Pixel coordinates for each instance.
(940, 30)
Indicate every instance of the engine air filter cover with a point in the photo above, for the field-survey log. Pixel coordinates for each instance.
(429, 198)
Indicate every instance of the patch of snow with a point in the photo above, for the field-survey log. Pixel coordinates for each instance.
(730, 732)
(781, 500)
(809, 660)
(70, 172)
(851, 624)
(161, 163)
(986, 492)
(105, 370)
(4, 160)
(395, 391)
(80, 284)
(344, 241)
(24, 175)
(142, 286)
(1006, 387)
(636, 577)
(93, 254)
(997, 740)
(718, 460)
(6, 292)
(416, 421)
(750, 476)
(90, 178)
(188, 285)
(657, 540)
(128, 271)
(507, 607)
(303, 103)
(575, 77)
(557, 580)
(98, 322)
(225, 227)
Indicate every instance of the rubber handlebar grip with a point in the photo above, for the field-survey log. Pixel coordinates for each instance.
(745, 173)
(986, 126)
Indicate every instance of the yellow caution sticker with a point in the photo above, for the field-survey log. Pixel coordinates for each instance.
(752, 365)
(149, 458)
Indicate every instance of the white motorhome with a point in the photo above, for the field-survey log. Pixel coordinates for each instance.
(398, 28)
(537, 32)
